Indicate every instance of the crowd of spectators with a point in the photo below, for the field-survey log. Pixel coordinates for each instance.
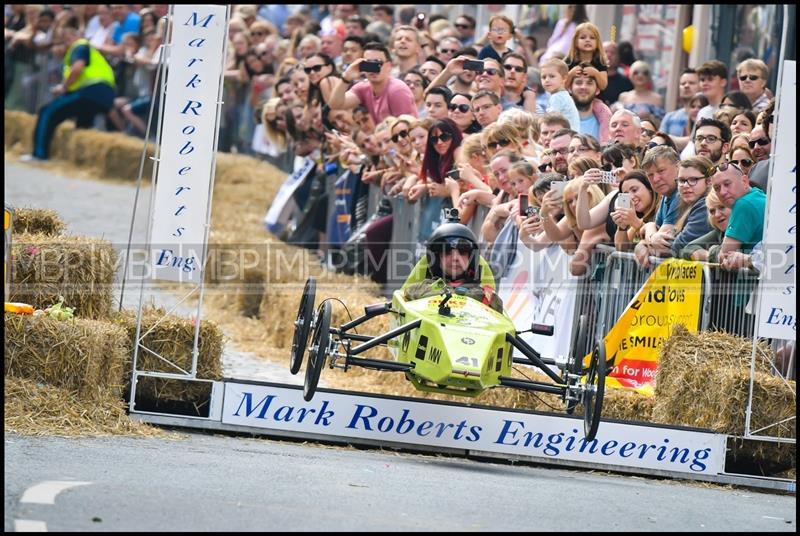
(424, 109)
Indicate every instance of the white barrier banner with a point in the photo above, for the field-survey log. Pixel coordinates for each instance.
(539, 289)
(188, 139)
(283, 206)
(778, 299)
(513, 432)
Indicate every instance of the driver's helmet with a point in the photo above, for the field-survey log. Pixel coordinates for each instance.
(453, 236)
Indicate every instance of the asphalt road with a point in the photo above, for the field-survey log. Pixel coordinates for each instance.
(216, 483)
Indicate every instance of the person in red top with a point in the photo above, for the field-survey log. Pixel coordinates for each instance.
(381, 94)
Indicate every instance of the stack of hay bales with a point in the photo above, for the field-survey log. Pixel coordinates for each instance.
(79, 268)
(703, 381)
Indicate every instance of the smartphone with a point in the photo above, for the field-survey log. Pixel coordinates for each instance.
(473, 65)
(420, 21)
(558, 187)
(369, 66)
(454, 174)
(607, 177)
(524, 207)
(623, 201)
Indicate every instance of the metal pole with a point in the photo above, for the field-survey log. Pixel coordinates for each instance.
(141, 172)
(195, 349)
(156, 159)
(749, 411)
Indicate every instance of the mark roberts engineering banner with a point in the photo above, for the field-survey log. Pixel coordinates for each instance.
(188, 140)
(513, 432)
(670, 296)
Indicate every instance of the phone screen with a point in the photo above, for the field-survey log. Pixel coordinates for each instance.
(454, 174)
(474, 65)
(523, 203)
(369, 66)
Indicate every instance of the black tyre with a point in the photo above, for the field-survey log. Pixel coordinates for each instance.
(594, 391)
(318, 351)
(302, 325)
(576, 364)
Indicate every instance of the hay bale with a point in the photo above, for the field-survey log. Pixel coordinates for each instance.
(703, 381)
(32, 408)
(37, 221)
(18, 131)
(123, 158)
(627, 405)
(172, 337)
(82, 269)
(87, 356)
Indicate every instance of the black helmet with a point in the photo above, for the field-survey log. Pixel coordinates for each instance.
(453, 235)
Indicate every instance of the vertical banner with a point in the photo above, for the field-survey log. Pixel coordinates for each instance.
(777, 296)
(187, 142)
(670, 296)
(539, 289)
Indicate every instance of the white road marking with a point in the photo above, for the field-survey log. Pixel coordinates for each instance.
(45, 492)
(28, 525)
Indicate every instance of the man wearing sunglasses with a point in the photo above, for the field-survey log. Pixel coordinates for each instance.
(517, 94)
(380, 93)
(452, 258)
(752, 74)
(760, 146)
(746, 223)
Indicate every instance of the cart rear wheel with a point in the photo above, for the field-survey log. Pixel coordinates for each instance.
(594, 390)
(302, 325)
(318, 350)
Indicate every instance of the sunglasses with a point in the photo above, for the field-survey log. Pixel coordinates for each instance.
(444, 136)
(492, 145)
(314, 69)
(759, 141)
(401, 134)
(751, 77)
(648, 132)
(491, 72)
(543, 167)
(463, 108)
(646, 73)
(517, 68)
(463, 26)
(725, 165)
(652, 144)
(744, 162)
(258, 33)
(448, 50)
(464, 247)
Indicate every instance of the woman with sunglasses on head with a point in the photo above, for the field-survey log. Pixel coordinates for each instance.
(660, 138)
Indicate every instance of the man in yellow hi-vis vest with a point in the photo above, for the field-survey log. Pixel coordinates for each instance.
(88, 89)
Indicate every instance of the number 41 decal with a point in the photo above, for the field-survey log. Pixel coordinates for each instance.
(469, 361)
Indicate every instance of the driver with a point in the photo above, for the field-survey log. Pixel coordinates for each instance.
(452, 259)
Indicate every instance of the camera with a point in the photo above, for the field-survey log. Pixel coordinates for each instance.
(369, 66)
(473, 65)
(450, 215)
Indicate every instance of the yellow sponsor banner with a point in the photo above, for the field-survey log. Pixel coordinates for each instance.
(670, 296)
